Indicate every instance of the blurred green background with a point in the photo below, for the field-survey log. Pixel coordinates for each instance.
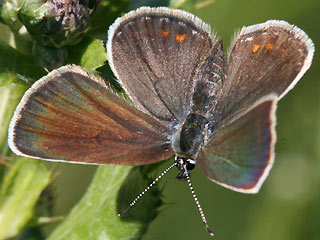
(288, 205)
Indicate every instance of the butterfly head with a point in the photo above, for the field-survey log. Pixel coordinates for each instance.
(185, 165)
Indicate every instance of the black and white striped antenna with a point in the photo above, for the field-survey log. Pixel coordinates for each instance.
(146, 190)
(203, 217)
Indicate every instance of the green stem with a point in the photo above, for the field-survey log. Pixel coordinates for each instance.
(111, 191)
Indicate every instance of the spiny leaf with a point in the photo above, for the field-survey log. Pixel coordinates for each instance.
(111, 191)
(19, 192)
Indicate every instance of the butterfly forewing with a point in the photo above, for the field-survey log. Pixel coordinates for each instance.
(155, 54)
(73, 116)
(265, 58)
(239, 155)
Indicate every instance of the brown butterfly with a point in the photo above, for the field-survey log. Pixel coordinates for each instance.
(189, 100)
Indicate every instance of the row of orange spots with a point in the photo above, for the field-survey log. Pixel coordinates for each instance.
(179, 37)
(256, 47)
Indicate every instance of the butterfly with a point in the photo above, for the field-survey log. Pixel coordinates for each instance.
(189, 100)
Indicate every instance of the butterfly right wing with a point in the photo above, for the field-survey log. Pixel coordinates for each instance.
(265, 58)
(70, 115)
(240, 154)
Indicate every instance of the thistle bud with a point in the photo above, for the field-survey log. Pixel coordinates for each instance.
(50, 57)
(56, 23)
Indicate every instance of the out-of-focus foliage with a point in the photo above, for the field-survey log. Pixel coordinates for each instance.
(34, 39)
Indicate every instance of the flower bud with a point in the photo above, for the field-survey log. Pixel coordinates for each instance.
(56, 23)
(50, 57)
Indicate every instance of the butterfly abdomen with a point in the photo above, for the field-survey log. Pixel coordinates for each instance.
(191, 135)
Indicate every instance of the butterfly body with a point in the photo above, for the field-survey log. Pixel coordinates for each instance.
(191, 135)
(188, 140)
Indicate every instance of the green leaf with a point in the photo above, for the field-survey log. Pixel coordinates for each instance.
(19, 192)
(188, 5)
(89, 53)
(111, 191)
(105, 15)
(9, 11)
(134, 4)
(17, 67)
(10, 96)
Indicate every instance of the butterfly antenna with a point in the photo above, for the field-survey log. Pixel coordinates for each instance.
(204, 220)
(146, 190)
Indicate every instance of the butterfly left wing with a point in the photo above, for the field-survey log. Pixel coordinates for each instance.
(155, 54)
(240, 154)
(71, 115)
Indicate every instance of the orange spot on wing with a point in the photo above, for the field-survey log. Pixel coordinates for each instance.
(164, 33)
(283, 50)
(269, 46)
(255, 47)
(181, 37)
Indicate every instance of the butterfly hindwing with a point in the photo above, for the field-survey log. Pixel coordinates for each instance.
(240, 154)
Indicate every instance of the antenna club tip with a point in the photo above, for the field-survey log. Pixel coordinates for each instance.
(121, 214)
(209, 231)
